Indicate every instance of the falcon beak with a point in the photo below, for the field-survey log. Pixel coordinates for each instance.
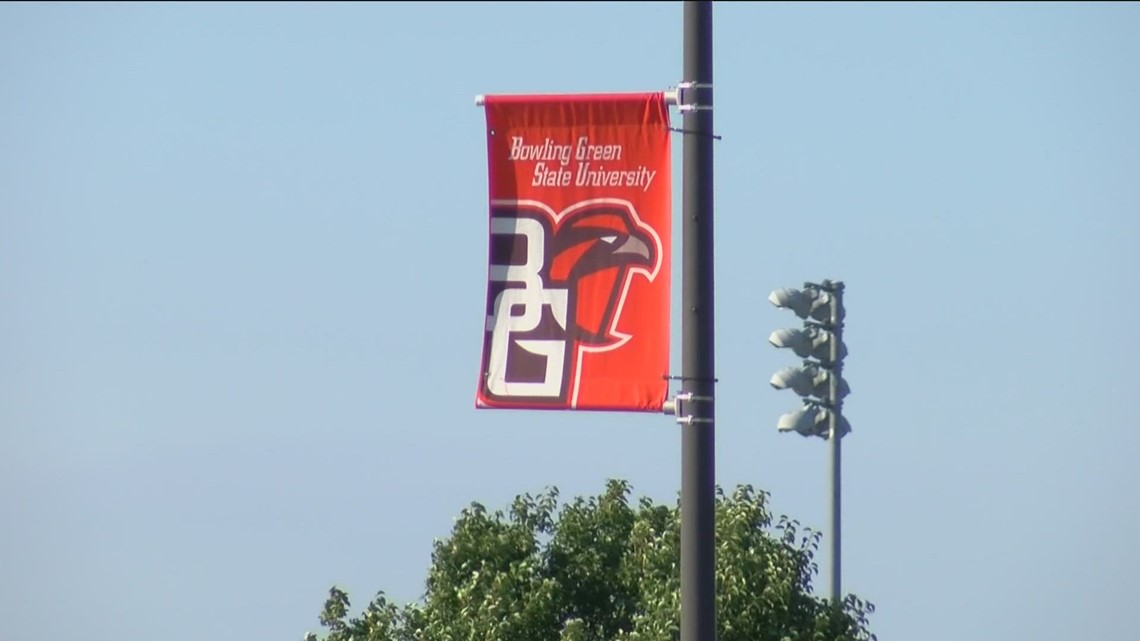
(634, 245)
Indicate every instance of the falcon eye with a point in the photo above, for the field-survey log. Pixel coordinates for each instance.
(609, 239)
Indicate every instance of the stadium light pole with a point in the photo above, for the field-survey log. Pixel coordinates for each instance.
(821, 307)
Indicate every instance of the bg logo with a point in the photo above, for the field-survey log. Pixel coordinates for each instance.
(558, 286)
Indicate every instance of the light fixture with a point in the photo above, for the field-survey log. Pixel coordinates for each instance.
(809, 380)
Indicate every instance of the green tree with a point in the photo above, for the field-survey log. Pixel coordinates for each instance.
(599, 569)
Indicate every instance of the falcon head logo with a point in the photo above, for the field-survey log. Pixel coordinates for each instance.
(592, 255)
(558, 287)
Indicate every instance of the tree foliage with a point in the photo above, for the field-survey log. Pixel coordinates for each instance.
(600, 569)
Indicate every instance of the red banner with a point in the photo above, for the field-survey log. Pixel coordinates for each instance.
(578, 274)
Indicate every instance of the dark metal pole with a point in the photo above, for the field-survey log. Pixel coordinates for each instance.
(836, 438)
(698, 455)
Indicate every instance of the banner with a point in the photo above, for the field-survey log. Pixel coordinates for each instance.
(579, 247)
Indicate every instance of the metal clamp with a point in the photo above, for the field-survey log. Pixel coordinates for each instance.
(682, 90)
(674, 406)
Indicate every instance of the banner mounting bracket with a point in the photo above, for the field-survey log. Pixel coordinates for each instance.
(673, 406)
(683, 89)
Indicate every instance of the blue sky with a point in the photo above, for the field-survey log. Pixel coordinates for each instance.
(242, 263)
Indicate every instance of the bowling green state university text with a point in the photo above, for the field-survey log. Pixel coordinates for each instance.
(552, 170)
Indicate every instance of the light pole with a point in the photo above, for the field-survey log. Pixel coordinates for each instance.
(698, 459)
(820, 383)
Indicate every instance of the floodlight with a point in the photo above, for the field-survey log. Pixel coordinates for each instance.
(811, 420)
(796, 340)
(809, 380)
(811, 342)
(797, 379)
(808, 303)
(806, 421)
